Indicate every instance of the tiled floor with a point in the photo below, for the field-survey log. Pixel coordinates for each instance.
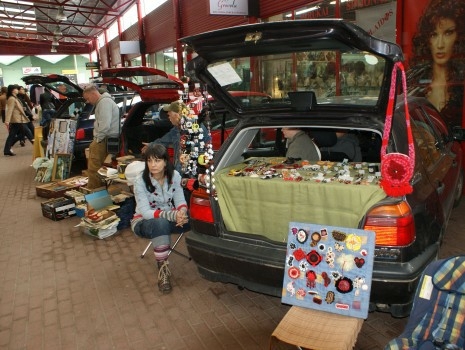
(60, 289)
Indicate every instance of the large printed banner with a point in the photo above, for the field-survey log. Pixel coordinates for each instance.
(433, 41)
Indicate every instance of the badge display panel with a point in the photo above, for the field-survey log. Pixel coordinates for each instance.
(329, 268)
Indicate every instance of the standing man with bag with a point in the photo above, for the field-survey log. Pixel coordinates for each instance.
(106, 125)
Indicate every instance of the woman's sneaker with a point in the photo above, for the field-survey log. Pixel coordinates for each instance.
(164, 273)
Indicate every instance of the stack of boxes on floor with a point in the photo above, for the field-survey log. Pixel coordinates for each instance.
(102, 212)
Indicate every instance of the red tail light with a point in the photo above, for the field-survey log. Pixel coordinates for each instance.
(393, 224)
(200, 208)
(80, 134)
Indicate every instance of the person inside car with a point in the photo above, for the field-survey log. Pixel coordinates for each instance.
(348, 144)
(300, 146)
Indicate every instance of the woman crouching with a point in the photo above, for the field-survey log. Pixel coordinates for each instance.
(160, 208)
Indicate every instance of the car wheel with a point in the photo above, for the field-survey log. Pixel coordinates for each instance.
(458, 190)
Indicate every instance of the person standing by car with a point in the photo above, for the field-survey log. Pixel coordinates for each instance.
(437, 68)
(299, 145)
(48, 110)
(106, 125)
(173, 137)
(3, 102)
(160, 207)
(15, 120)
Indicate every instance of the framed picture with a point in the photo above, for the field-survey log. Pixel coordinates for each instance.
(61, 166)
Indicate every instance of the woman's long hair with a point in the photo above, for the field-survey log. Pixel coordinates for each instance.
(436, 11)
(157, 151)
(9, 92)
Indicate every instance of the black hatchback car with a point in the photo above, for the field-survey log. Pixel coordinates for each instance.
(324, 77)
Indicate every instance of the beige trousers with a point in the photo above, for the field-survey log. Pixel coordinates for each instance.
(97, 155)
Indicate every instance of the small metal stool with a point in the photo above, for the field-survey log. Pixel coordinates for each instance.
(172, 248)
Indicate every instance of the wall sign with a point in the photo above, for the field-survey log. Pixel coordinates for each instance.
(229, 7)
(31, 70)
(92, 65)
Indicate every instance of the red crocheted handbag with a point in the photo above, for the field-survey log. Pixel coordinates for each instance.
(397, 168)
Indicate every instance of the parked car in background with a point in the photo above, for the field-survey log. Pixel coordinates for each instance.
(145, 121)
(71, 105)
(240, 214)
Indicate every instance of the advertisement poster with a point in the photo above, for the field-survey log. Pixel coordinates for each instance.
(433, 41)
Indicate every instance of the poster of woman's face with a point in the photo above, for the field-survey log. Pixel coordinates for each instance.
(434, 47)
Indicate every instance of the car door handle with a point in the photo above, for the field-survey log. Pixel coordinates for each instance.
(441, 187)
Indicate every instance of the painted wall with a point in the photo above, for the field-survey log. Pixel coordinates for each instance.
(74, 64)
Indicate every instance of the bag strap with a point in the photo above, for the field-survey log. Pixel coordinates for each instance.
(390, 112)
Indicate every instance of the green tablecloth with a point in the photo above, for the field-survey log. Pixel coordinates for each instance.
(265, 207)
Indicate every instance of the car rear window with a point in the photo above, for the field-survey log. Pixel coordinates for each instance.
(332, 78)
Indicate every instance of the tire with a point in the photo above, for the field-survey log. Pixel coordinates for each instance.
(458, 190)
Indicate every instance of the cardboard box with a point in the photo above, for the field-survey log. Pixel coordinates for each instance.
(57, 189)
(53, 190)
(58, 209)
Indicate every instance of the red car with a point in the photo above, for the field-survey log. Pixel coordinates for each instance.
(143, 122)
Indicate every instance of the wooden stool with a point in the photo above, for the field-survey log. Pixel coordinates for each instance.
(316, 330)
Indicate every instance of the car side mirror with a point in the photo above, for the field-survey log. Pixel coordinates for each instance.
(458, 133)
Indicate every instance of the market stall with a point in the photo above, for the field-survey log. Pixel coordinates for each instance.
(326, 193)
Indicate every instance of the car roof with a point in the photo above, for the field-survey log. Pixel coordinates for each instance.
(150, 83)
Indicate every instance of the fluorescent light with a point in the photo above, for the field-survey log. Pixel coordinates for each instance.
(12, 9)
(19, 2)
(313, 8)
(19, 23)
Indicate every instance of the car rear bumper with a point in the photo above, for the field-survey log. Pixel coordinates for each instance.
(261, 268)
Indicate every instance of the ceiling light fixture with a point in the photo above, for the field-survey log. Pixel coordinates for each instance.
(57, 31)
(55, 42)
(61, 14)
(53, 49)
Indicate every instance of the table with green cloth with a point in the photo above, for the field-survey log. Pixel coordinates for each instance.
(266, 206)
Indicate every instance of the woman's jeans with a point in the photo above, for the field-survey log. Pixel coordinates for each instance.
(158, 230)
